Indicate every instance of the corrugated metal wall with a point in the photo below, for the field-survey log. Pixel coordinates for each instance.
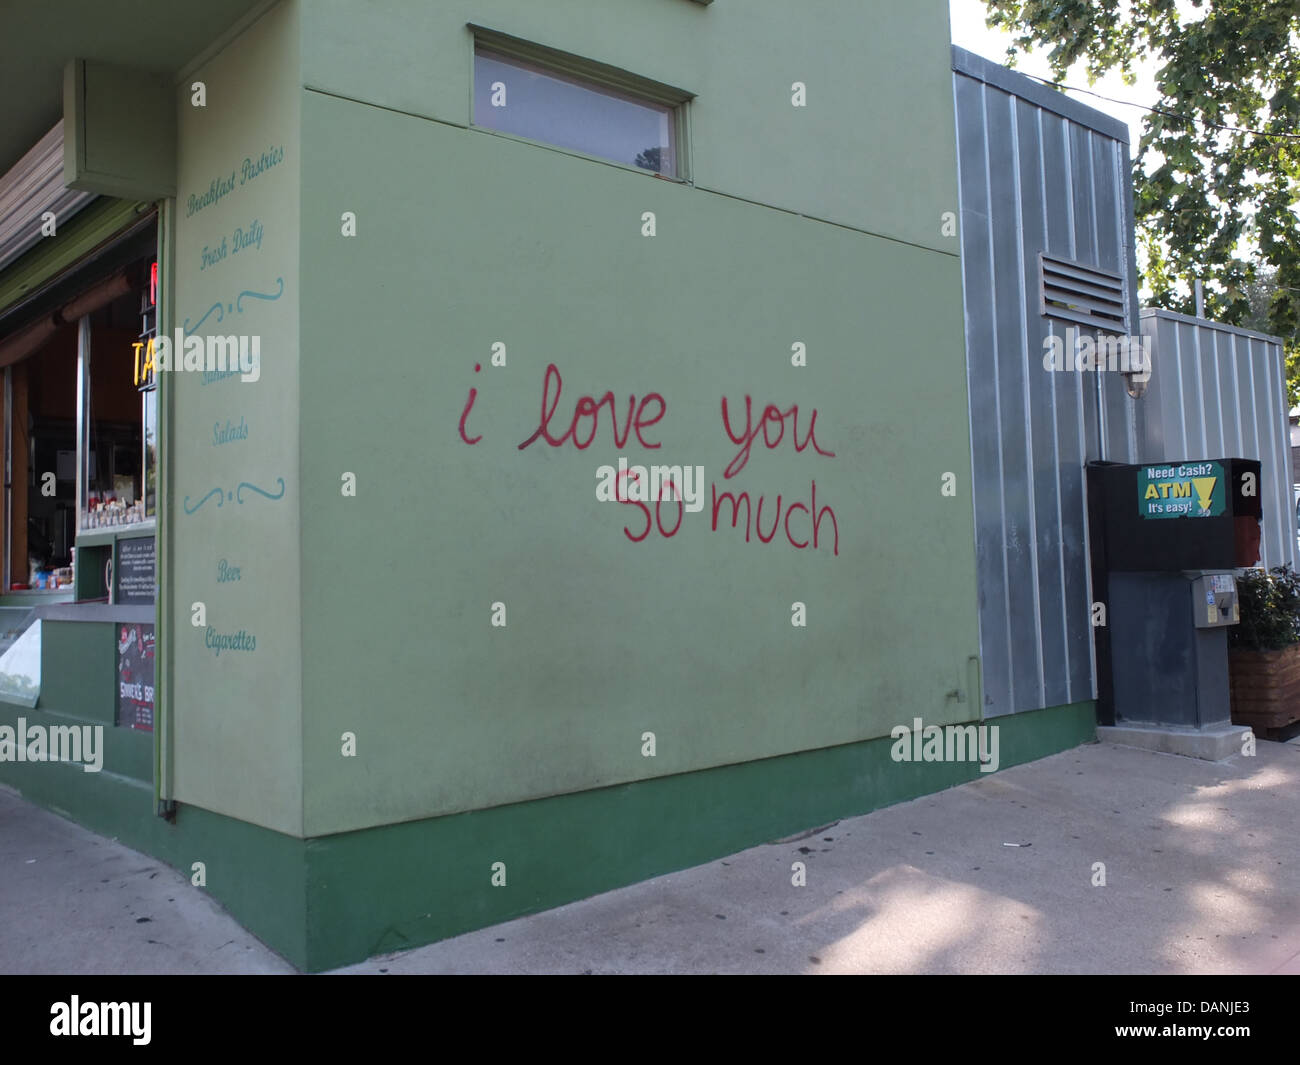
(1037, 172)
(1216, 391)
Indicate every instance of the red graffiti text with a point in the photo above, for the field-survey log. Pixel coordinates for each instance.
(772, 420)
(807, 527)
(586, 416)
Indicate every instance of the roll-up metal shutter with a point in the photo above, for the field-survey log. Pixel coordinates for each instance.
(33, 186)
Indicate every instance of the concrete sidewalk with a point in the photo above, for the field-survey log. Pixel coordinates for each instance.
(1202, 875)
(75, 902)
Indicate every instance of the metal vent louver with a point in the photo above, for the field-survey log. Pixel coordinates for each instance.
(1081, 294)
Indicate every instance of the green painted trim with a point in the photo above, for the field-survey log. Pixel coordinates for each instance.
(399, 886)
(91, 227)
(88, 573)
(74, 117)
(79, 668)
(111, 535)
(165, 312)
(36, 598)
(125, 754)
(78, 687)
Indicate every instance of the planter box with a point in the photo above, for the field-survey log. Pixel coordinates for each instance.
(1264, 687)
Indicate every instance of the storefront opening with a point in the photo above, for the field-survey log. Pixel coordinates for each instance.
(81, 433)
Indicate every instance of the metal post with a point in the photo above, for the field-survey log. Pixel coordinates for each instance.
(83, 422)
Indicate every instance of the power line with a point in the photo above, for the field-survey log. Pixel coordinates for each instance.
(1163, 111)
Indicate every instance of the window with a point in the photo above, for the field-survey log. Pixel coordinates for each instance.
(578, 105)
(121, 413)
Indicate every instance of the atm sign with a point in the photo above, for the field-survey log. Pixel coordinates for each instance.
(1189, 490)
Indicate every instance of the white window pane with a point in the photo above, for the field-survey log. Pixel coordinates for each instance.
(548, 108)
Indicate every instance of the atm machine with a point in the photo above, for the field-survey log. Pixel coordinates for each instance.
(1165, 541)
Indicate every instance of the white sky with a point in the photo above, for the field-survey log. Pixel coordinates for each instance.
(969, 31)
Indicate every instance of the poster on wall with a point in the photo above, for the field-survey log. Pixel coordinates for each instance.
(1189, 490)
(134, 573)
(135, 675)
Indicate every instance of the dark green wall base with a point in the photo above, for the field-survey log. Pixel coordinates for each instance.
(396, 887)
(338, 899)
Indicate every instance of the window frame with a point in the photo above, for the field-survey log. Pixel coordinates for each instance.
(593, 75)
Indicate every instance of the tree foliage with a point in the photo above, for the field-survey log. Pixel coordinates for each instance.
(1269, 604)
(1217, 170)
(650, 159)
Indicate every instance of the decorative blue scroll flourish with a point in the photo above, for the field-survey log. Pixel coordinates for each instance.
(219, 493)
(235, 308)
(215, 307)
(239, 300)
(260, 491)
(237, 495)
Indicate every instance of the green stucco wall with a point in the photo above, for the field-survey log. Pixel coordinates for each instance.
(372, 613)
(881, 159)
(466, 239)
(236, 712)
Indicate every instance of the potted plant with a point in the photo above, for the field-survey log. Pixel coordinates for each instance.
(1264, 650)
